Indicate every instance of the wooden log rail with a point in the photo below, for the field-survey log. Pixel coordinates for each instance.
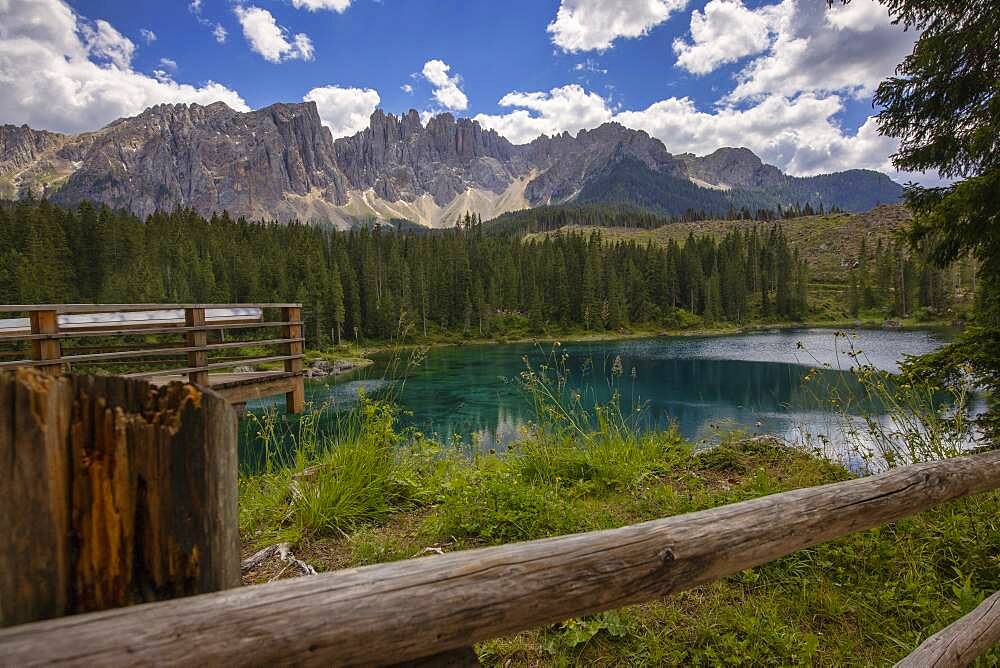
(46, 335)
(959, 644)
(403, 611)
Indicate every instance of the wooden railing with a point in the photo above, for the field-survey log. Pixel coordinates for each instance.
(191, 332)
(406, 610)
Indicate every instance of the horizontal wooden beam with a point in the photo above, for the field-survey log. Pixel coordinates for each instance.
(240, 393)
(142, 330)
(215, 365)
(960, 643)
(410, 609)
(152, 352)
(101, 308)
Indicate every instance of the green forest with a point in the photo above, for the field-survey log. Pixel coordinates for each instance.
(378, 282)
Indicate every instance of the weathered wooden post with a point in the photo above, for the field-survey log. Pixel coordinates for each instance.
(115, 492)
(295, 401)
(195, 317)
(46, 322)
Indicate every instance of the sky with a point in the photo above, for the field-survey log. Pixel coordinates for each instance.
(791, 80)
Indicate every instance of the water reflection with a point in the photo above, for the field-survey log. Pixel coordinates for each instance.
(753, 382)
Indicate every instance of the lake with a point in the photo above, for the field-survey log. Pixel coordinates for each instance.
(705, 384)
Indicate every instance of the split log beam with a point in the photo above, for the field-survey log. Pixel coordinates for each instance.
(406, 610)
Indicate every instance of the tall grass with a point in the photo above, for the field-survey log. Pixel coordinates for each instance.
(332, 484)
(895, 419)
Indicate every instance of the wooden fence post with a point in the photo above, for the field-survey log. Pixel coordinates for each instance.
(46, 322)
(295, 400)
(115, 492)
(195, 317)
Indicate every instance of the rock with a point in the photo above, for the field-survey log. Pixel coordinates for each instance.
(734, 168)
(243, 369)
(892, 324)
(281, 162)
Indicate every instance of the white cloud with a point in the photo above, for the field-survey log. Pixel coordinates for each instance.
(843, 48)
(446, 87)
(81, 78)
(105, 43)
(169, 63)
(344, 110)
(338, 6)
(723, 33)
(569, 108)
(587, 25)
(148, 36)
(590, 65)
(800, 135)
(406, 88)
(218, 32)
(269, 39)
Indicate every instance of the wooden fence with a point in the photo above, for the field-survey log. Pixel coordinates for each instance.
(50, 338)
(407, 610)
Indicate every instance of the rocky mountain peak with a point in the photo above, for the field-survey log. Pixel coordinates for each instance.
(281, 162)
(733, 168)
(401, 159)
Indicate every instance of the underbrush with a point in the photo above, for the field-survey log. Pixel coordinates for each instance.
(370, 494)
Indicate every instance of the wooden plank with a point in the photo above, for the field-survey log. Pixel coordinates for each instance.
(125, 354)
(405, 610)
(295, 400)
(195, 317)
(100, 308)
(46, 350)
(139, 330)
(246, 344)
(214, 365)
(962, 642)
(255, 389)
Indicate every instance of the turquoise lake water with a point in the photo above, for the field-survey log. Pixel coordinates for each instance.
(705, 384)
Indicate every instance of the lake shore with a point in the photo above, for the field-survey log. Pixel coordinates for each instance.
(363, 354)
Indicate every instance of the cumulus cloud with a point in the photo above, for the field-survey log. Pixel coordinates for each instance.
(148, 36)
(344, 110)
(568, 108)
(446, 86)
(589, 25)
(269, 39)
(169, 64)
(811, 47)
(723, 33)
(801, 135)
(338, 6)
(105, 43)
(219, 33)
(81, 76)
(406, 88)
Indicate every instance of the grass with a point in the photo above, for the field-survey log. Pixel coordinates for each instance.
(371, 495)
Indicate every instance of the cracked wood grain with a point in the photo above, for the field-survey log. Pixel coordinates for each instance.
(402, 611)
(961, 642)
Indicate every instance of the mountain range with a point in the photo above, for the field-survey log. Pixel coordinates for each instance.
(281, 162)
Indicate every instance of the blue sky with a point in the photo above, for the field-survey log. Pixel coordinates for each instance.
(790, 79)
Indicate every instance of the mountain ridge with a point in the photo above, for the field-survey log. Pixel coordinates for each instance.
(280, 162)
